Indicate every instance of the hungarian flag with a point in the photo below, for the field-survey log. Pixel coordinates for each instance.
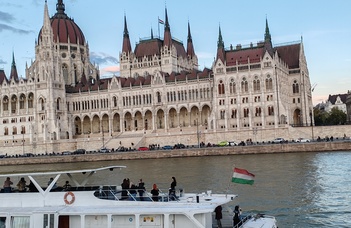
(242, 176)
(160, 21)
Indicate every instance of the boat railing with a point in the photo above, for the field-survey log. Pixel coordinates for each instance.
(244, 219)
(112, 193)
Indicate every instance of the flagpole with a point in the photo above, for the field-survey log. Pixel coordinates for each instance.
(231, 176)
(158, 23)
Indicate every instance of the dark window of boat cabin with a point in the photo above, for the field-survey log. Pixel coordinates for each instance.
(2, 221)
(48, 221)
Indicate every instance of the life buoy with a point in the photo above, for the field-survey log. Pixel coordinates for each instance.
(69, 198)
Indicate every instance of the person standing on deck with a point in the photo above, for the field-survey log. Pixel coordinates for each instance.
(141, 189)
(7, 185)
(172, 188)
(218, 211)
(155, 192)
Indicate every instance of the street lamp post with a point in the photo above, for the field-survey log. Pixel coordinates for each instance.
(198, 133)
(255, 133)
(22, 143)
(103, 136)
(311, 116)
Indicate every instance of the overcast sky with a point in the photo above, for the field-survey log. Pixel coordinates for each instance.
(323, 25)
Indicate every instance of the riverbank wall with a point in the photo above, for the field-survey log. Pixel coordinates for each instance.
(181, 153)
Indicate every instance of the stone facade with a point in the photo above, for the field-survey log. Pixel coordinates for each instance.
(255, 91)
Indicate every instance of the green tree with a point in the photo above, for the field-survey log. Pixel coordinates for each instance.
(320, 117)
(336, 117)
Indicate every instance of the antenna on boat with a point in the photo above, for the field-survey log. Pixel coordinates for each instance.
(231, 176)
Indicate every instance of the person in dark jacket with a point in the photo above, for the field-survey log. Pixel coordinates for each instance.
(236, 218)
(155, 192)
(172, 190)
(125, 187)
(141, 189)
(218, 216)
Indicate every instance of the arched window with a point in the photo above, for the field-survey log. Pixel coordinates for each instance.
(42, 104)
(58, 104)
(232, 86)
(22, 101)
(270, 110)
(14, 131)
(295, 87)
(30, 100)
(221, 88)
(256, 84)
(222, 114)
(244, 85)
(246, 112)
(13, 104)
(158, 94)
(5, 103)
(114, 101)
(75, 74)
(65, 73)
(234, 114)
(258, 111)
(269, 83)
(23, 130)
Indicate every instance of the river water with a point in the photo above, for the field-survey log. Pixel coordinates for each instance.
(299, 189)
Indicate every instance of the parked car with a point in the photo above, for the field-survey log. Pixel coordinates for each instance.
(79, 151)
(232, 143)
(223, 143)
(303, 140)
(104, 150)
(121, 149)
(278, 140)
(66, 153)
(143, 148)
(167, 147)
(179, 146)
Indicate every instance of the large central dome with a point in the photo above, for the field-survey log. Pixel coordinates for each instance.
(64, 28)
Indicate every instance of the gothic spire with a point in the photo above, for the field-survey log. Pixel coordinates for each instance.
(46, 30)
(167, 34)
(220, 43)
(267, 35)
(126, 47)
(152, 34)
(13, 74)
(190, 46)
(220, 46)
(268, 40)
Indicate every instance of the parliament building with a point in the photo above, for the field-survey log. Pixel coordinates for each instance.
(160, 96)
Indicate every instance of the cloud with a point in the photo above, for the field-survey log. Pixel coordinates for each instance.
(4, 27)
(6, 17)
(102, 58)
(2, 61)
(110, 70)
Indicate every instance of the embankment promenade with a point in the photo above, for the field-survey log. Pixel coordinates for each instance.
(191, 152)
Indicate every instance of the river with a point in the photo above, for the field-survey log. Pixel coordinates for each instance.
(299, 189)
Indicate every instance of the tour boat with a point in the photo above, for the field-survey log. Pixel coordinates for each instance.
(108, 206)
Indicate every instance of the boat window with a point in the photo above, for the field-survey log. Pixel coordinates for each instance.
(2, 222)
(48, 221)
(20, 222)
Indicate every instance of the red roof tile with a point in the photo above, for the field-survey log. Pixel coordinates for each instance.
(290, 54)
